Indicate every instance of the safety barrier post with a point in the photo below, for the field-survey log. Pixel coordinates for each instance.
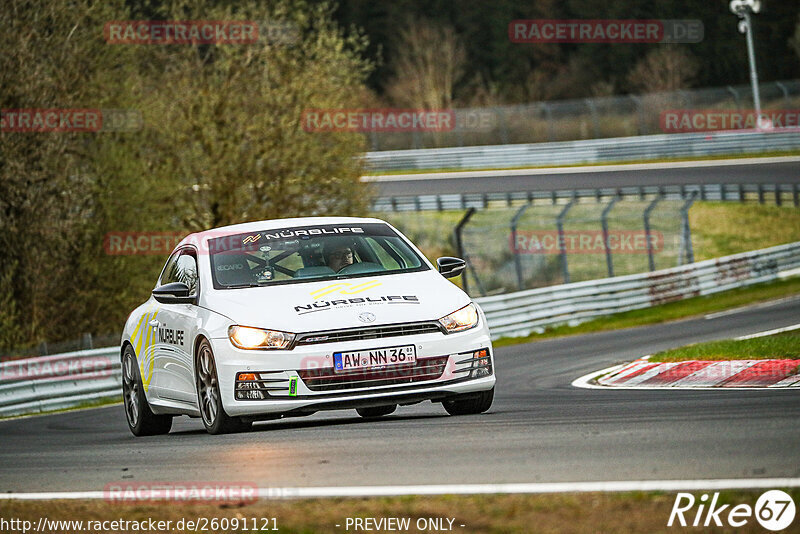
(517, 260)
(604, 223)
(651, 262)
(460, 244)
(686, 231)
(562, 248)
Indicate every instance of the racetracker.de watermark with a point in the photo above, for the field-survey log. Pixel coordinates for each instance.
(378, 120)
(707, 120)
(70, 120)
(162, 243)
(540, 31)
(584, 242)
(181, 32)
(192, 492)
(55, 367)
(141, 243)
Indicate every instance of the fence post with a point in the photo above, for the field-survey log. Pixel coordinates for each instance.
(561, 244)
(732, 91)
(604, 223)
(517, 261)
(785, 93)
(502, 125)
(460, 243)
(651, 262)
(548, 113)
(639, 114)
(686, 231)
(595, 120)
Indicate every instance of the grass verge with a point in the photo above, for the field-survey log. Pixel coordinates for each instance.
(557, 513)
(770, 154)
(670, 312)
(83, 406)
(780, 346)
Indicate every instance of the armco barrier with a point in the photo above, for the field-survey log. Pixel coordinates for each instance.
(64, 380)
(520, 313)
(59, 381)
(645, 147)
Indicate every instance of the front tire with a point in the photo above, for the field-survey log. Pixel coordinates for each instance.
(376, 411)
(141, 419)
(209, 399)
(469, 403)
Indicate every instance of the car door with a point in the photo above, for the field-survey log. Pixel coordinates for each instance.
(175, 330)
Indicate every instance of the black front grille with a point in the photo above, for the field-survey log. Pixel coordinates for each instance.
(375, 332)
(326, 379)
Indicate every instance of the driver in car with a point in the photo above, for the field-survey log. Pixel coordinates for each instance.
(339, 257)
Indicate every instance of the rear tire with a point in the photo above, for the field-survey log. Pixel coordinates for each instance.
(209, 399)
(376, 411)
(469, 403)
(141, 419)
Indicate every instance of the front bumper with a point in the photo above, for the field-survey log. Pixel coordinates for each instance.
(294, 385)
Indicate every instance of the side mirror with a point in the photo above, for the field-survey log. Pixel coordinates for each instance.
(174, 293)
(450, 267)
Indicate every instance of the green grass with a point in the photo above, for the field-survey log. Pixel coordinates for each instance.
(724, 228)
(785, 346)
(669, 312)
(769, 154)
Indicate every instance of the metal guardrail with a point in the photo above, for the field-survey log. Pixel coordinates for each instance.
(520, 313)
(617, 149)
(585, 118)
(60, 381)
(779, 193)
(36, 385)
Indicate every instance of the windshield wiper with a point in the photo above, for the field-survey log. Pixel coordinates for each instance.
(239, 286)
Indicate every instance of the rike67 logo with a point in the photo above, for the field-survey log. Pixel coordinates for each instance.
(774, 510)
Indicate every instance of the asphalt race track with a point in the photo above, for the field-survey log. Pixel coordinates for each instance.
(681, 173)
(540, 429)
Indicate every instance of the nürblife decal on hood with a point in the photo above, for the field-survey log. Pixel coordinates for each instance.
(337, 304)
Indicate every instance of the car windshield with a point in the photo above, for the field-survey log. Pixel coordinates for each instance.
(308, 253)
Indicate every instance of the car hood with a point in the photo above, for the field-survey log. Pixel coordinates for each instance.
(335, 304)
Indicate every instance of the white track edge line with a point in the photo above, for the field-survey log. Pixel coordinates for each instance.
(749, 307)
(466, 489)
(769, 332)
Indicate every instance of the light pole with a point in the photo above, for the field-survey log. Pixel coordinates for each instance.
(744, 9)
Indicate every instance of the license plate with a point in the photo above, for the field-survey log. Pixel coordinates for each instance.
(368, 359)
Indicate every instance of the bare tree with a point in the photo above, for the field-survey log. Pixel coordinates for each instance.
(429, 61)
(664, 69)
(794, 42)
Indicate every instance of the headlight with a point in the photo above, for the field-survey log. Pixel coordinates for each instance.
(246, 337)
(459, 320)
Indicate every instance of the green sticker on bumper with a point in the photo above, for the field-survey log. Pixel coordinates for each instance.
(293, 386)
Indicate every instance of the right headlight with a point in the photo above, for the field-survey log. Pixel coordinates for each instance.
(459, 320)
(249, 338)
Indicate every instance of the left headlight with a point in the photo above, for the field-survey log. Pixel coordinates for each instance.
(246, 337)
(463, 319)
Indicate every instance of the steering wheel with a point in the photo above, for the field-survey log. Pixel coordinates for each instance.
(361, 267)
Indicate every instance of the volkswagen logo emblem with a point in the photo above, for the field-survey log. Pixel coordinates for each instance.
(366, 317)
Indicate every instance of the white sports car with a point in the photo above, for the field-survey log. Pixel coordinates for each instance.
(288, 317)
